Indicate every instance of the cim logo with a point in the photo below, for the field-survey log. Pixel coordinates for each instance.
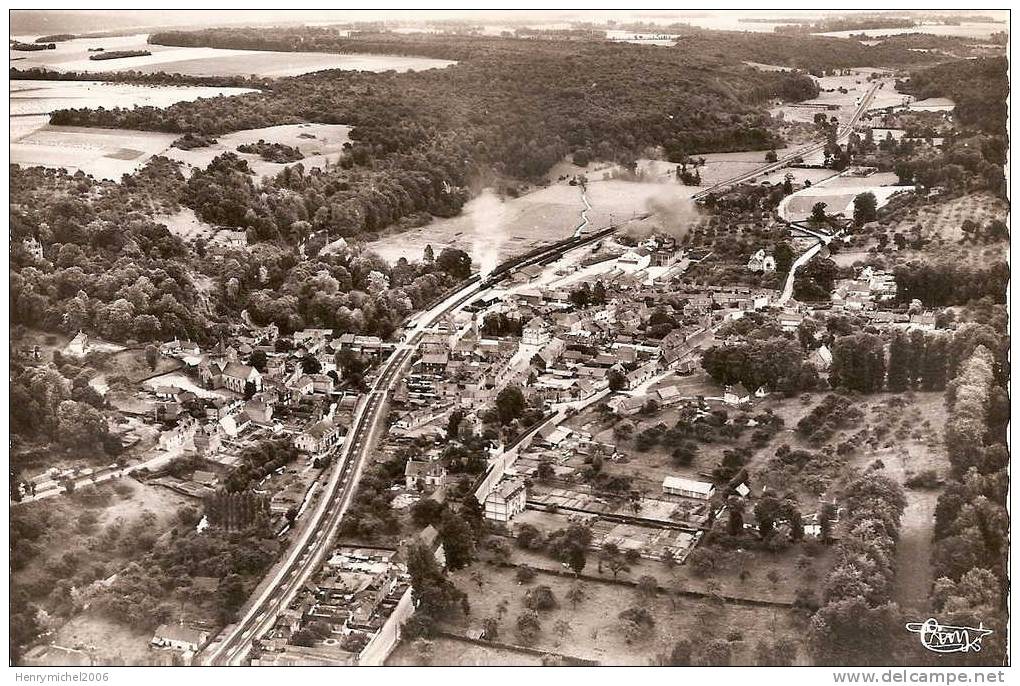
(943, 638)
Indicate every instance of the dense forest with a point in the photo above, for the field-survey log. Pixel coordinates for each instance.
(979, 88)
(421, 139)
(814, 53)
(109, 266)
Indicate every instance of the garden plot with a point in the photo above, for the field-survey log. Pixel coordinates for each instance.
(944, 220)
(933, 105)
(178, 380)
(186, 224)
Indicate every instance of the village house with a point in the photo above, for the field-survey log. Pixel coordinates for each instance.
(179, 436)
(626, 405)
(207, 439)
(276, 366)
(409, 421)
(179, 637)
(789, 321)
(259, 409)
(506, 501)
(322, 383)
(234, 376)
(535, 332)
(736, 395)
(302, 385)
(319, 437)
(234, 425)
(424, 475)
(668, 396)
(762, 262)
(179, 348)
(434, 363)
(821, 358)
(79, 345)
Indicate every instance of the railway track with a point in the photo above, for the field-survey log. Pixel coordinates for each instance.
(843, 132)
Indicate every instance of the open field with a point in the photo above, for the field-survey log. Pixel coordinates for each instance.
(108, 641)
(593, 630)
(32, 98)
(88, 535)
(838, 194)
(110, 153)
(914, 445)
(320, 143)
(103, 153)
(73, 55)
(933, 105)
(131, 363)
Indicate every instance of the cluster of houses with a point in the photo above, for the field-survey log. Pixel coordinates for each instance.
(294, 389)
(340, 612)
(761, 261)
(871, 288)
(562, 352)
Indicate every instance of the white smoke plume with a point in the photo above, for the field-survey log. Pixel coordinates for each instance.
(487, 214)
(671, 214)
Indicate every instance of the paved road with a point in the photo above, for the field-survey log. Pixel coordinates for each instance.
(797, 264)
(309, 548)
(785, 161)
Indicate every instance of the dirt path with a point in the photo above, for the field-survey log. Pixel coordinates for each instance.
(913, 552)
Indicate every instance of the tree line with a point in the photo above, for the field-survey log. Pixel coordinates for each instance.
(971, 521)
(858, 622)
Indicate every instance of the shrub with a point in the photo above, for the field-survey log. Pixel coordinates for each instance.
(525, 574)
(540, 598)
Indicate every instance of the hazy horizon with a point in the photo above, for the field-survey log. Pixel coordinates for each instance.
(24, 22)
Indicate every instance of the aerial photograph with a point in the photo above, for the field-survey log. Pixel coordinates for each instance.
(505, 338)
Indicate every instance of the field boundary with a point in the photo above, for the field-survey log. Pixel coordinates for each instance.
(736, 600)
(513, 647)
